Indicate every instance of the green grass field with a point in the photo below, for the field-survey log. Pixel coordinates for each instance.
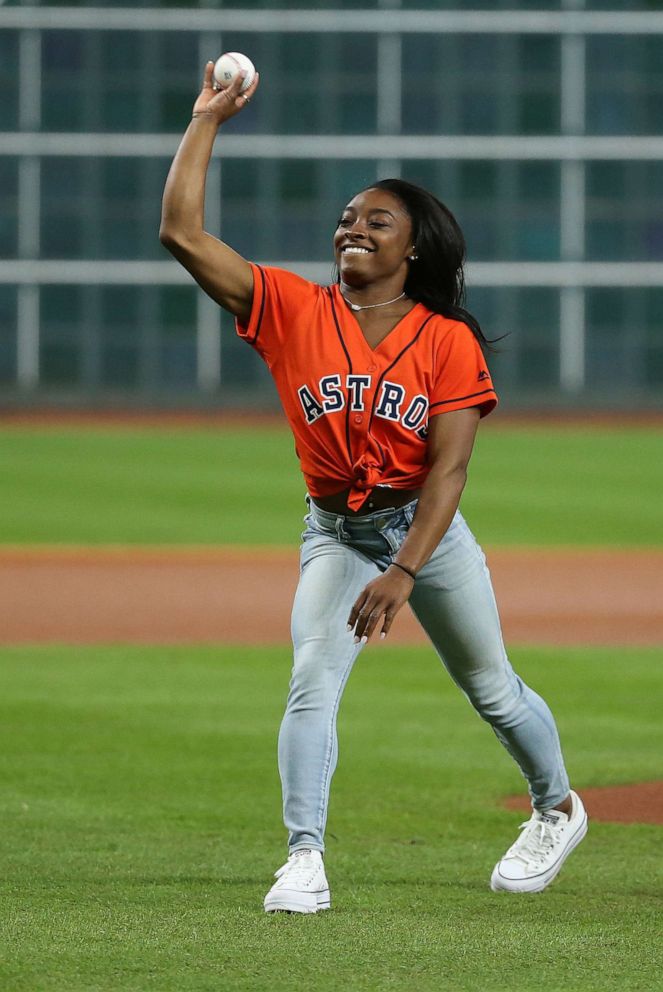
(544, 485)
(141, 805)
(140, 811)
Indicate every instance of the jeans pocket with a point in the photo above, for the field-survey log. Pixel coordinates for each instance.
(315, 529)
(408, 512)
(397, 530)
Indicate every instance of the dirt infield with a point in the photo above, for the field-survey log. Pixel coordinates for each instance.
(638, 803)
(175, 596)
(85, 596)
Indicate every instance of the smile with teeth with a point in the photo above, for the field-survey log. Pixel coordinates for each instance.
(356, 250)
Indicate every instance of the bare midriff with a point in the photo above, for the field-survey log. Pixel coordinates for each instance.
(380, 498)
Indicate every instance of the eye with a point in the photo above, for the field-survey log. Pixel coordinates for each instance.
(378, 223)
(344, 221)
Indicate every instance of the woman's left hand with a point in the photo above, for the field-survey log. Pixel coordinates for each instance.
(383, 597)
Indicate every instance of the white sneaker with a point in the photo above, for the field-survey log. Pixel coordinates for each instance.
(302, 886)
(545, 843)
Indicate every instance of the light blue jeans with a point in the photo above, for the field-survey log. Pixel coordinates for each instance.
(454, 602)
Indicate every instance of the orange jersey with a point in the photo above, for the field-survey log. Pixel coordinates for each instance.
(360, 414)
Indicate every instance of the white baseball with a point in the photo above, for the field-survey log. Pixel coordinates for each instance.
(228, 65)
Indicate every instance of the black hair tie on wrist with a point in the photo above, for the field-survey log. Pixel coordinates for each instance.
(406, 570)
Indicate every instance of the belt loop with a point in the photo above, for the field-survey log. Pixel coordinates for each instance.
(340, 529)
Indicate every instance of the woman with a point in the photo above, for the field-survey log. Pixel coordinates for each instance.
(383, 380)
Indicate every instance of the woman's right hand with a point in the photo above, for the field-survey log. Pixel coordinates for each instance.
(221, 105)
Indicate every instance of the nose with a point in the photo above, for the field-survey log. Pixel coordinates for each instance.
(357, 230)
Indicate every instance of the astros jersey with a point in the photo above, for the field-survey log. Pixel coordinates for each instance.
(360, 414)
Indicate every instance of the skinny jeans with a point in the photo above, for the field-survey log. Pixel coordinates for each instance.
(453, 600)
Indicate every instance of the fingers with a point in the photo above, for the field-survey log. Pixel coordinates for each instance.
(233, 91)
(248, 93)
(368, 621)
(386, 626)
(383, 597)
(364, 615)
(208, 83)
(355, 611)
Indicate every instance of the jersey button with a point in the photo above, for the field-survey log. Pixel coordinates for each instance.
(358, 419)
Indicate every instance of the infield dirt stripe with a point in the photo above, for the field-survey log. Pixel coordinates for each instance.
(234, 595)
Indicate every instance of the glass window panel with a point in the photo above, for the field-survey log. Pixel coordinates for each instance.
(116, 81)
(63, 90)
(480, 84)
(8, 207)
(120, 329)
(605, 179)
(8, 312)
(101, 208)
(297, 180)
(624, 211)
(538, 181)
(478, 112)
(482, 302)
(176, 89)
(618, 345)
(61, 329)
(538, 113)
(178, 356)
(623, 96)
(313, 83)
(527, 358)
(177, 308)
(653, 358)
(507, 210)
(62, 220)
(242, 368)
(537, 338)
(538, 54)
(9, 80)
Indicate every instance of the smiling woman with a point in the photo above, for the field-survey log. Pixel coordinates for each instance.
(383, 380)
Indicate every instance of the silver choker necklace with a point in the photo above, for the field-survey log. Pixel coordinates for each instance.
(370, 306)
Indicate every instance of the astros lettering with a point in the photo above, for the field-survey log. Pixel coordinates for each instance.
(391, 403)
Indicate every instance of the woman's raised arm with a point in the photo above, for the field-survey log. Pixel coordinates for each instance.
(220, 271)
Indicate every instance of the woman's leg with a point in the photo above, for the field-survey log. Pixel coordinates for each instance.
(332, 577)
(454, 602)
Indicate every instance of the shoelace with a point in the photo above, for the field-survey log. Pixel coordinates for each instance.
(300, 869)
(536, 841)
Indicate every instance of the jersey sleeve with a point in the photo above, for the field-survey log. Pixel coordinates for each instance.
(462, 378)
(279, 297)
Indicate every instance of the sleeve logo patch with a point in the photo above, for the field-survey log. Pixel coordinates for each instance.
(482, 376)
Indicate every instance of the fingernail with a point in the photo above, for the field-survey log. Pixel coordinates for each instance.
(382, 636)
(356, 640)
(364, 639)
(349, 628)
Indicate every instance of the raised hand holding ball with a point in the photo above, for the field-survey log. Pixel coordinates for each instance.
(228, 66)
(220, 103)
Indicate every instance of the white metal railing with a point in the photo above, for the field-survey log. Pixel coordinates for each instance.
(167, 273)
(381, 21)
(359, 146)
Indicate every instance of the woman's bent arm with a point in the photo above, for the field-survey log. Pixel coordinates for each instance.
(220, 271)
(450, 441)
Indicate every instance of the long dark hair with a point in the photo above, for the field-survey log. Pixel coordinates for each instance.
(436, 276)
